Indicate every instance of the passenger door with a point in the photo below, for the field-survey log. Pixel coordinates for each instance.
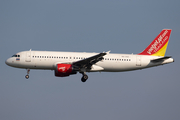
(138, 60)
(28, 56)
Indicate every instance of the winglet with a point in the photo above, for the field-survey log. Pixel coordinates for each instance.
(158, 45)
(108, 52)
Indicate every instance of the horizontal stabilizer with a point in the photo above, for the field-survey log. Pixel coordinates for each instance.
(161, 59)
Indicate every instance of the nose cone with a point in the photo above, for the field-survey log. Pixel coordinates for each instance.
(8, 62)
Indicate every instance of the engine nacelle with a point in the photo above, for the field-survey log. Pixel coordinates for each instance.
(63, 70)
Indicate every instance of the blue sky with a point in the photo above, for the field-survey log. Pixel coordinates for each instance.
(123, 26)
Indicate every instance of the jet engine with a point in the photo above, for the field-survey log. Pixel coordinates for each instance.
(63, 70)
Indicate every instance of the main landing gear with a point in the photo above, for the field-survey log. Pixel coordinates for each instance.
(27, 76)
(84, 77)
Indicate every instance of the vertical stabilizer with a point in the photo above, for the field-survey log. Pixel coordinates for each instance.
(158, 45)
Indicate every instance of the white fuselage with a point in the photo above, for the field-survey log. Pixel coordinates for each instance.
(111, 63)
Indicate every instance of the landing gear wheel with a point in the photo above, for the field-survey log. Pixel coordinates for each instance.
(27, 76)
(84, 78)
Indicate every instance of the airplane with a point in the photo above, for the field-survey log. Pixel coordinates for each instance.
(69, 63)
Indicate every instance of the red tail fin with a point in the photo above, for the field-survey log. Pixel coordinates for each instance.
(158, 45)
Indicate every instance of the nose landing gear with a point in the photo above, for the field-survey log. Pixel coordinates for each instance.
(27, 76)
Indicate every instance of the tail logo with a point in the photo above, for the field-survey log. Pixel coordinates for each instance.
(158, 45)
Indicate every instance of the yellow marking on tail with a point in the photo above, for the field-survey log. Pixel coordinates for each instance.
(162, 51)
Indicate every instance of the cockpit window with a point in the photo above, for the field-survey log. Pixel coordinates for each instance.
(16, 56)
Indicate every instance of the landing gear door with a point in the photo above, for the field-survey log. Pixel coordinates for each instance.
(138, 60)
(28, 56)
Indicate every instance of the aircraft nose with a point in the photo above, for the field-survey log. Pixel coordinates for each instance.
(8, 61)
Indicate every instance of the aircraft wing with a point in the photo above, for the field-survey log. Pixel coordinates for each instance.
(88, 62)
